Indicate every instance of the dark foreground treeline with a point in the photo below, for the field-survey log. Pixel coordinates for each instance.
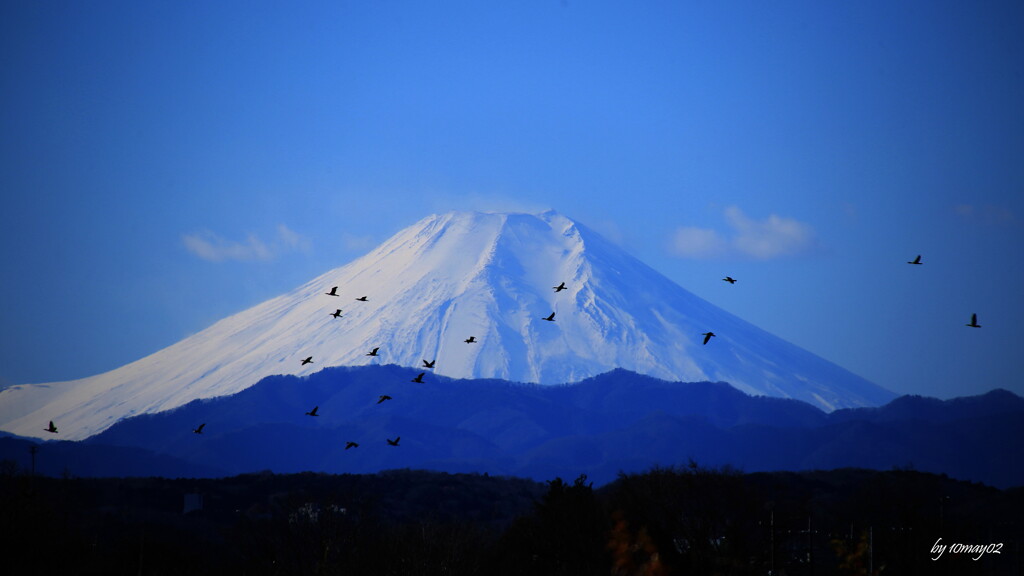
(666, 521)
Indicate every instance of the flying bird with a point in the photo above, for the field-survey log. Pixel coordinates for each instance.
(337, 313)
(729, 279)
(308, 360)
(351, 444)
(560, 287)
(974, 321)
(51, 429)
(429, 364)
(550, 318)
(470, 340)
(373, 352)
(707, 336)
(333, 292)
(382, 398)
(419, 378)
(361, 299)
(395, 441)
(313, 411)
(915, 260)
(199, 429)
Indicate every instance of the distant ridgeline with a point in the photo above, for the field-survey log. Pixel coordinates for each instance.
(335, 421)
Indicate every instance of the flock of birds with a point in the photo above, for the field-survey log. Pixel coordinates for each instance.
(429, 364)
(375, 352)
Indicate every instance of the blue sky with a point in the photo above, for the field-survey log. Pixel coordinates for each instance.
(166, 164)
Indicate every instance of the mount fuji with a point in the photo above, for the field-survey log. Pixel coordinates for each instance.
(421, 294)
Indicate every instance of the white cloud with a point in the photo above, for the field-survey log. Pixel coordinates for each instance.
(210, 246)
(692, 242)
(772, 237)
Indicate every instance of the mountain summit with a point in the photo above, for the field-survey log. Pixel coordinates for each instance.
(491, 278)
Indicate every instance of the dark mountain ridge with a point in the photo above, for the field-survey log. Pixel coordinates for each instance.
(996, 401)
(617, 421)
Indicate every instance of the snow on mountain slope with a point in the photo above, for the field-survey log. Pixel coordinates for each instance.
(428, 289)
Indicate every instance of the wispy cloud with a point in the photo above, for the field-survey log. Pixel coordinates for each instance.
(693, 242)
(485, 202)
(291, 240)
(771, 237)
(354, 243)
(985, 214)
(212, 247)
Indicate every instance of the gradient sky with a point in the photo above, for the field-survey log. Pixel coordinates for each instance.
(166, 164)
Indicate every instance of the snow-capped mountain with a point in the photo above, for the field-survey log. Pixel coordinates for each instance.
(429, 288)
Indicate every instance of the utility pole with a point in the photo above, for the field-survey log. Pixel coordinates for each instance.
(810, 545)
(871, 550)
